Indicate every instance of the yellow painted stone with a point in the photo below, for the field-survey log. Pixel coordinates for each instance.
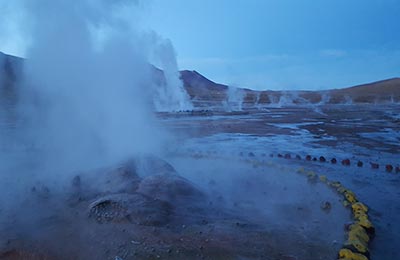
(350, 196)
(345, 254)
(358, 206)
(361, 246)
(364, 222)
(323, 178)
(357, 231)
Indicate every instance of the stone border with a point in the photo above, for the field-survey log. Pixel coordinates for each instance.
(390, 168)
(359, 233)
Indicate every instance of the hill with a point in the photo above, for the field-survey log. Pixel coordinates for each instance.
(205, 91)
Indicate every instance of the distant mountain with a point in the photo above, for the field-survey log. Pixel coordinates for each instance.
(201, 88)
(380, 91)
(10, 68)
(205, 91)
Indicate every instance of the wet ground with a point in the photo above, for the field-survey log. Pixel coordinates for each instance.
(222, 192)
(144, 209)
(360, 133)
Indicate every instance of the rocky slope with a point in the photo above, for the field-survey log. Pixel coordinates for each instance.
(204, 91)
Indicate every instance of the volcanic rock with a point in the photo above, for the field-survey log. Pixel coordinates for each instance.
(120, 179)
(134, 208)
(346, 162)
(169, 187)
(389, 168)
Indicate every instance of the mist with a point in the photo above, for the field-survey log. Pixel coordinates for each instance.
(86, 100)
(86, 95)
(235, 98)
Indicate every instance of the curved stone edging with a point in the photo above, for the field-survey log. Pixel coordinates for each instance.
(390, 168)
(359, 233)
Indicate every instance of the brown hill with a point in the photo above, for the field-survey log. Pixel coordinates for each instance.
(201, 88)
(204, 90)
(376, 92)
(10, 68)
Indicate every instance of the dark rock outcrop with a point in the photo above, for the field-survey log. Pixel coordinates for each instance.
(170, 187)
(134, 208)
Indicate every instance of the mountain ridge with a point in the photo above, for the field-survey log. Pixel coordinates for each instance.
(202, 89)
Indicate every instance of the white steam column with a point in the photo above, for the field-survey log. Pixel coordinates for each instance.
(170, 96)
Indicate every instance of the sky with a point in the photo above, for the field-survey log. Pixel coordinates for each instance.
(283, 44)
(272, 44)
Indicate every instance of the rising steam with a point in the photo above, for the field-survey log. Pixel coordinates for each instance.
(88, 89)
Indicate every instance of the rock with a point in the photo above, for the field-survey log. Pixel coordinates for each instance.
(360, 164)
(251, 154)
(120, 179)
(169, 187)
(346, 162)
(134, 208)
(333, 161)
(322, 159)
(288, 156)
(298, 157)
(389, 168)
(308, 157)
(150, 165)
(326, 206)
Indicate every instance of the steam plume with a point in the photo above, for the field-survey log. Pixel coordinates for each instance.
(88, 90)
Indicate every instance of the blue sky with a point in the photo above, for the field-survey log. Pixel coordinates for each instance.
(283, 44)
(268, 44)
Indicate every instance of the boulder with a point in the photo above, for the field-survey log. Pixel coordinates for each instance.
(151, 165)
(169, 187)
(133, 208)
(122, 178)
